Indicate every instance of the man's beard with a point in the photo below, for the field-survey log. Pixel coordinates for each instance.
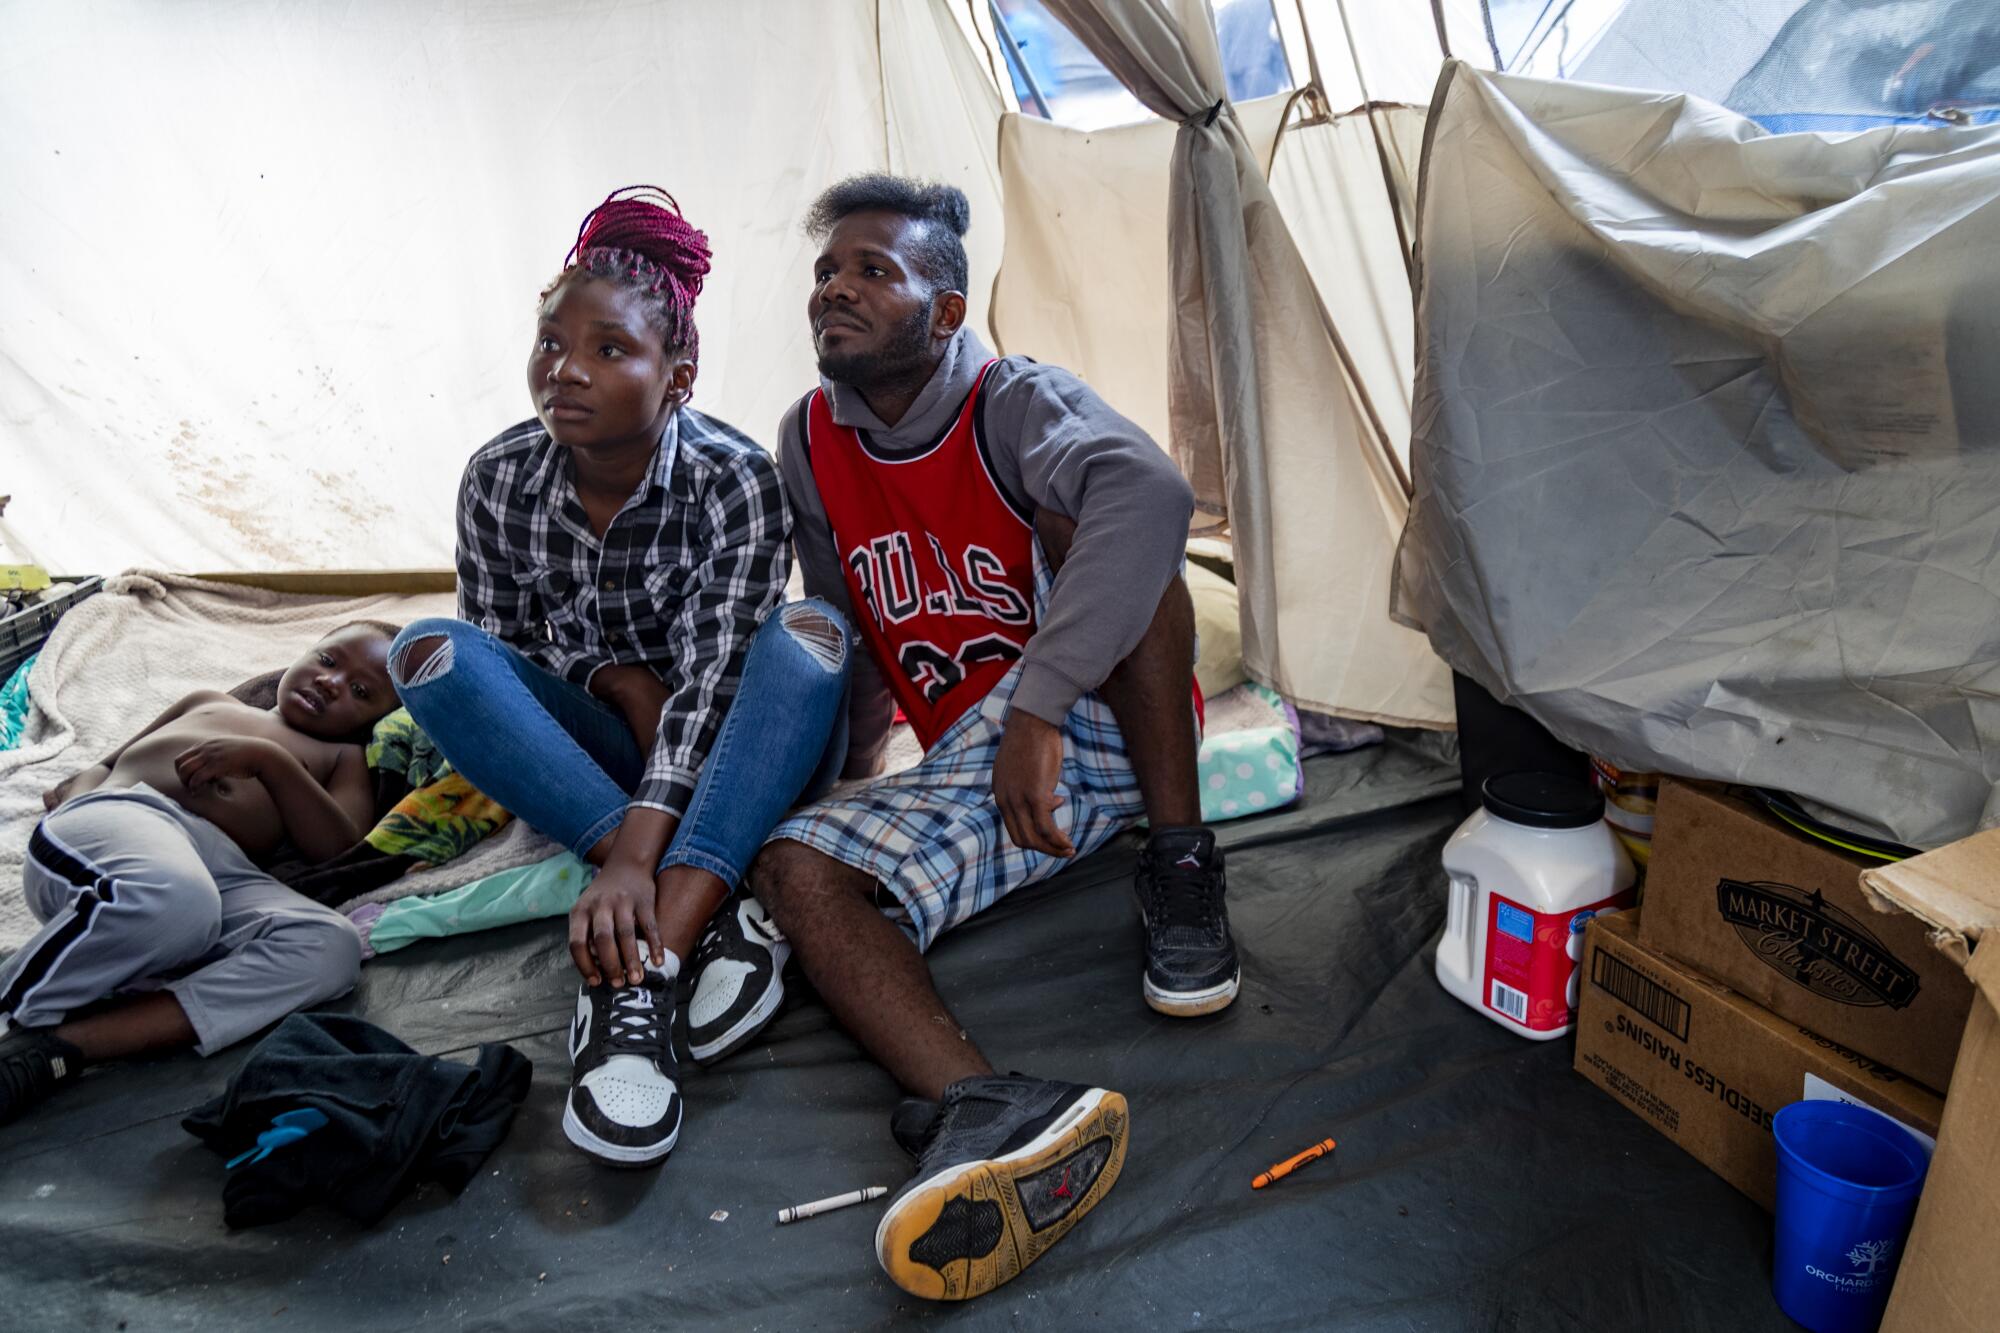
(902, 357)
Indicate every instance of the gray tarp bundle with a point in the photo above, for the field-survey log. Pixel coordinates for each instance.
(1480, 1183)
(1707, 443)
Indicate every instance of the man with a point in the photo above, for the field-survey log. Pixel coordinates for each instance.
(1009, 548)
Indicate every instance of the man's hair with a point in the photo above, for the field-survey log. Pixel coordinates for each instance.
(638, 239)
(939, 252)
(382, 627)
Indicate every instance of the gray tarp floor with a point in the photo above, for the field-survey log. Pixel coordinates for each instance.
(1480, 1183)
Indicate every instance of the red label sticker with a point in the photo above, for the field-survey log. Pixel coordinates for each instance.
(1528, 962)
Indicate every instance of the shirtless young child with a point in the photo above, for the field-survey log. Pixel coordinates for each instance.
(145, 874)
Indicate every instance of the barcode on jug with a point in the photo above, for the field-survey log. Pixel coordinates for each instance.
(1639, 992)
(1510, 1002)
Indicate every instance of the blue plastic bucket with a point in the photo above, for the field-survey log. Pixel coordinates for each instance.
(1848, 1181)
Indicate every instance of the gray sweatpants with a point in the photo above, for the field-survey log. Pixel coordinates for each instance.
(138, 894)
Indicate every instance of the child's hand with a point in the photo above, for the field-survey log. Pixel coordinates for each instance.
(220, 757)
(76, 784)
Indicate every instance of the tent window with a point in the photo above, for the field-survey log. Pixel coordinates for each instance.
(1057, 78)
(1791, 65)
(1546, 38)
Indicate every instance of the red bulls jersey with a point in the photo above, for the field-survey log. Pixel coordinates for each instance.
(940, 564)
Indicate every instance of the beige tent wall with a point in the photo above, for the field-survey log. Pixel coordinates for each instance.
(1329, 185)
(1336, 513)
(268, 272)
(1085, 284)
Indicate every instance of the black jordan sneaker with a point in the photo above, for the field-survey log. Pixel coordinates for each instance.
(910, 1124)
(33, 1064)
(624, 1100)
(1191, 966)
(739, 979)
(1006, 1167)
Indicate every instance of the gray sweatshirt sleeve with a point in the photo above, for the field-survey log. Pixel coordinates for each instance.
(1055, 442)
(871, 708)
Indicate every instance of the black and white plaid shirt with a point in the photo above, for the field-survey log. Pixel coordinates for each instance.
(683, 577)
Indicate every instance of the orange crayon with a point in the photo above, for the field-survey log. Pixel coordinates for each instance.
(1291, 1164)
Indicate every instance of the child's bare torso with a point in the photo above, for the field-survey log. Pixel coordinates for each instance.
(240, 807)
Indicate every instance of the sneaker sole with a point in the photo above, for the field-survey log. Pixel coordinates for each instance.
(1193, 1003)
(612, 1154)
(744, 1030)
(969, 1221)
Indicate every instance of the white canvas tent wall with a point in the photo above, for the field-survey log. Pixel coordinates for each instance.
(268, 272)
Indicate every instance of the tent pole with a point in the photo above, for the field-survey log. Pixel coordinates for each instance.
(1321, 105)
(986, 49)
(1015, 63)
(1381, 150)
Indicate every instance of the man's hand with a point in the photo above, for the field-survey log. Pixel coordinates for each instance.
(637, 693)
(612, 928)
(222, 757)
(1024, 784)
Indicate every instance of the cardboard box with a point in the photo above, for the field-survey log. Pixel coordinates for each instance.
(1709, 1069)
(1781, 919)
(1949, 1278)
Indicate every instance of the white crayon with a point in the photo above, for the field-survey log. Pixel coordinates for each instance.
(818, 1206)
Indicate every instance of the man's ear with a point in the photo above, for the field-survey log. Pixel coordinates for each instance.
(947, 315)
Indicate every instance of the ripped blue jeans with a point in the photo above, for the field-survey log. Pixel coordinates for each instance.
(567, 763)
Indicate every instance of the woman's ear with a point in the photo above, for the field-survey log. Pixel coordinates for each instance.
(680, 379)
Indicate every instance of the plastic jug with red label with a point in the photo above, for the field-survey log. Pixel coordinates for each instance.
(1528, 870)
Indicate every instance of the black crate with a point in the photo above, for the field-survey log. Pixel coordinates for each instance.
(23, 633)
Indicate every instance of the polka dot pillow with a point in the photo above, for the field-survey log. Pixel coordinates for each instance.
(1249, 760)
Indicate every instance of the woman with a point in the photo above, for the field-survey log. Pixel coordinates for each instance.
(613, 678)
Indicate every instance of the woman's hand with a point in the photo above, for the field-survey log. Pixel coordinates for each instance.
(220, 757)
(612, 928)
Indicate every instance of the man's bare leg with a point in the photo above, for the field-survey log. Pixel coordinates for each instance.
(865, 968)
(1148, 694)
(973, 1215)
(1181, 881)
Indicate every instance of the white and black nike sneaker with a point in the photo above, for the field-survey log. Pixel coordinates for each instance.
(1005, 1167)
(1191, 965)
(739, 978)
(624, 1098)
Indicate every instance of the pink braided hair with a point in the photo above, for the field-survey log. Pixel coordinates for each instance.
(638, 238)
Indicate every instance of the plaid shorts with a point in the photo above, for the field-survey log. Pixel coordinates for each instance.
(931, 834)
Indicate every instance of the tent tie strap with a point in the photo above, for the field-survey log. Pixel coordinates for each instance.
(1207, 118)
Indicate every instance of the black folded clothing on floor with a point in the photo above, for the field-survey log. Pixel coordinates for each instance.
(394, 1118)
